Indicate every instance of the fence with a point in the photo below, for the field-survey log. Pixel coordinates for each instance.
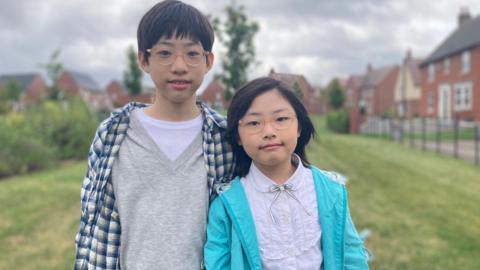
(461, 139)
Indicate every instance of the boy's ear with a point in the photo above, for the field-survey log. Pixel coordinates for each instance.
(210, 59)
(142, 62)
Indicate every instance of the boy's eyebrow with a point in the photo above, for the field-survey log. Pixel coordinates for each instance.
(171, 44)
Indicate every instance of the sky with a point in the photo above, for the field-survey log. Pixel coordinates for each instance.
(316, 38)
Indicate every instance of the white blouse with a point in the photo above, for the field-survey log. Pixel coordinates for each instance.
(289, 234)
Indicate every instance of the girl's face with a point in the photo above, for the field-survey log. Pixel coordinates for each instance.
(268, 131)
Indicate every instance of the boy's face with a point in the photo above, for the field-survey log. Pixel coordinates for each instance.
(177, 67)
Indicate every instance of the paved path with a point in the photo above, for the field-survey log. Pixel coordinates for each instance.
(465, 149)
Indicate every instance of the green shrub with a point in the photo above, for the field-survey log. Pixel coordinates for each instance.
(45, 133)
(20, 152)
(338, 121)
(66, 126)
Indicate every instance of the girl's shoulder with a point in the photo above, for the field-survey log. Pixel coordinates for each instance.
(224, 187)
(330, 175)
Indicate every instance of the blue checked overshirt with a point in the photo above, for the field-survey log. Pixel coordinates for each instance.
(98, 240)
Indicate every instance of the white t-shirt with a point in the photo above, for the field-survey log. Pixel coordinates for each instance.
(172, 138)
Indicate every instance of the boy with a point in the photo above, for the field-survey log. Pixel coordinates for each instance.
(153, 168)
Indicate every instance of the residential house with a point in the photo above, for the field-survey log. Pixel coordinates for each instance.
(451, 73)
(408, 88)
(214, 95)
(73, 83)
(309, 95)
(32, 86)
(119, 95)
(371, 94)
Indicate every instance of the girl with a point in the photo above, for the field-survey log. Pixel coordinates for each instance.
(280, 212)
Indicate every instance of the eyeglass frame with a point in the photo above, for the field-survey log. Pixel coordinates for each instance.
(264, 122)
(205, 54)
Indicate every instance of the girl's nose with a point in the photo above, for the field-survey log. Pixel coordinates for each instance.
(268, 130)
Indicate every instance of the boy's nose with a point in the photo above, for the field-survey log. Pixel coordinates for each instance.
(179, 64)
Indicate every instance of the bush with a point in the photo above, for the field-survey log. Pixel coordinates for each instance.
(20, 152)
(67, 127)
(44, 134)
(338, 121)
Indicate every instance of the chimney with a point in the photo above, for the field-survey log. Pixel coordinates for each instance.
(464, 16)
(408, 56)
(369, 68)
(272, 71)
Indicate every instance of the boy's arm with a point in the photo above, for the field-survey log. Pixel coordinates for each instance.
(217, 246)
(355, 253)
(81, 250)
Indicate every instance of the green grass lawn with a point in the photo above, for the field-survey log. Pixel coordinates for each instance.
(423, 210)
(39, 217)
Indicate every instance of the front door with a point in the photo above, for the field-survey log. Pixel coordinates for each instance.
(444, 108)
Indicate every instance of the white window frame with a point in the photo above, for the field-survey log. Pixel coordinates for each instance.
(446, 66)
(463, 96)
(431, 72)
(466, 62)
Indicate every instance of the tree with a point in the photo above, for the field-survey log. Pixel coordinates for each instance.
(10, 96)
(298, 91)
(54, 69)
(336, 96)
(236, 33)
(132, 76)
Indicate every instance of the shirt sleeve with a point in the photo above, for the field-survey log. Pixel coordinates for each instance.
(217, 247)
(355, 253)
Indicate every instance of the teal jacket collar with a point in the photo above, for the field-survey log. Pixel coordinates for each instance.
(331, 199)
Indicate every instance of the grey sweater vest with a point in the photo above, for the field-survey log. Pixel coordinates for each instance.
(162, 204)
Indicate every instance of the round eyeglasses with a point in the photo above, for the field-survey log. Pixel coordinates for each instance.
(165, 57)
(254, 124)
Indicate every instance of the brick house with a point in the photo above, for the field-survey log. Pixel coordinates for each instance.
(214, 95)
(309, 95)
(32, 85)
(371, 94)
(73, 83)
(408, 88)
(119, 96)
(451, 74)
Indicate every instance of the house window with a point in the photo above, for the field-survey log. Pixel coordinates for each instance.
(466, 62)
(446, 66)
(463, 96)
(431, 72)
(430, 103)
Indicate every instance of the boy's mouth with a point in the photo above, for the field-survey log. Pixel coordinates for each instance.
(179, 84)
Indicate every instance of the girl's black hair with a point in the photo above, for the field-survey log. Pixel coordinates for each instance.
(241, 102)
(171, 17)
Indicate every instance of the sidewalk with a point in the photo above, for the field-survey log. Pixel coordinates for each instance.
(465, 149)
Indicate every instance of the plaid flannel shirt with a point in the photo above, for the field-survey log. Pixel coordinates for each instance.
(98, 240)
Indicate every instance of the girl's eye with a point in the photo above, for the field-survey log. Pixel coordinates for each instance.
(252, 123)
(282, 118)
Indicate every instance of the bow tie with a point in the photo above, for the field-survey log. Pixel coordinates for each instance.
(287, 189)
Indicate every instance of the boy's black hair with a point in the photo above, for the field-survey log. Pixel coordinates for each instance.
(241, 102)
(172, 17)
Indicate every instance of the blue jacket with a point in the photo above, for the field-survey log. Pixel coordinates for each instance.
(232, 241)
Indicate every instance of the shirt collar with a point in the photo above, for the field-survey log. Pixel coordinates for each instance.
(263, 184)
